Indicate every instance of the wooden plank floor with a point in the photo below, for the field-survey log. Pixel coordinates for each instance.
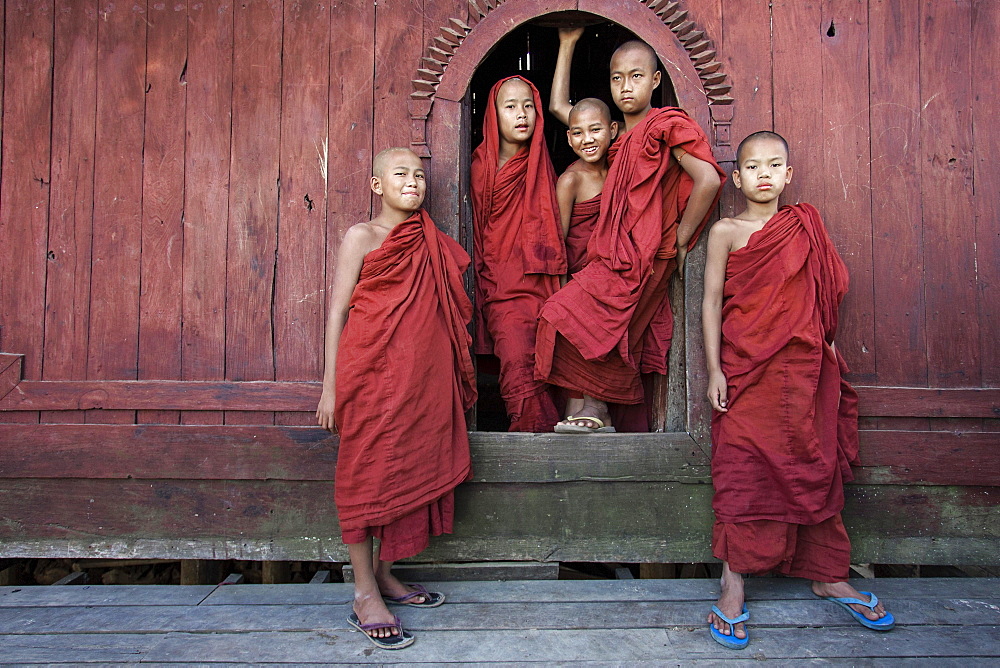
(940, 622)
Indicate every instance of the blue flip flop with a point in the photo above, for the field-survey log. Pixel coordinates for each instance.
(730, 641)
(883, 624)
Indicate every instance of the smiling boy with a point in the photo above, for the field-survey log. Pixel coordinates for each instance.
(397, 382)
(785, 423)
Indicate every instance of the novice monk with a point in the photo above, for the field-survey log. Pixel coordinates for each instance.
(785, 427)
(613, 320)
(518, 247)
(397, 383)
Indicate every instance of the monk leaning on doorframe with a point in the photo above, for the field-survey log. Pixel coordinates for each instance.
(613, 320)
(518, 248)
(785, 426)
(397, 383)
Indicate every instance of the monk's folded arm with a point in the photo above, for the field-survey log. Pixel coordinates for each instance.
(706, 186)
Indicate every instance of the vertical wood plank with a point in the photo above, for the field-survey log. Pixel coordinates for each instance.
(846, 169)
(253, 198)
(897, 239)
(67, 284)
(947, 197)
(206, 202)
(163, 201)
(798, 95)
(299, 292)
(985, 28)
(397, 57)
(24, 193)
(114, 282)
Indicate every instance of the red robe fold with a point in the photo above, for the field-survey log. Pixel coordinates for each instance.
(519, 256)
(581, 227)
(404, 379)
(783, 450)
(613, 320)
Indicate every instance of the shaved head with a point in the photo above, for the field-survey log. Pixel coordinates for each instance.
(639, 47)
(762, 135)
(591, 104)
(381, 160)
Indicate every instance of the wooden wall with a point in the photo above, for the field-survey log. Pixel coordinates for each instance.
(175, 178)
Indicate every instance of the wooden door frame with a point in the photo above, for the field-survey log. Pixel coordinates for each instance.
(439, 132)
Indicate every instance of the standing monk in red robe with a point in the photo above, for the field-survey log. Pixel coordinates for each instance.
(785, 426)
(397, 383)
(518, 249)
(613, 320)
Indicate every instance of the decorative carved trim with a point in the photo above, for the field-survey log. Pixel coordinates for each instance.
(699, 47)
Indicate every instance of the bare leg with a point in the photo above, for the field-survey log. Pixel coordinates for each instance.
(368, 603)
(388, 583)
(730, 601)
(845, 590)
(574, 405)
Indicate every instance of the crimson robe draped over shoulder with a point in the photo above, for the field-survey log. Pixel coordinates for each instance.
(613, 319)
(783, 450)
(519, 255)
(404, 378)
(581, 227)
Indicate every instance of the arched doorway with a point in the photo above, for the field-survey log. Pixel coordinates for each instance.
(465, 59)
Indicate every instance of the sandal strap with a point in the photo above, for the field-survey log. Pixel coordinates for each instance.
(374, 626)
(736, 620)
(418, 590)
(870, 604)
(598, 421)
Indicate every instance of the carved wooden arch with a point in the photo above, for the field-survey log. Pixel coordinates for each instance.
(685, 50)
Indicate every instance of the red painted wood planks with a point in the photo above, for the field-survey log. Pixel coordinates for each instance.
(986, 177)
(253, 198)
(897, 224)
(71, 204)
(398, 49)
(163, 200)
(953, 339)
(846, 172)
(206, 181)
(25, 167)
(299, 285)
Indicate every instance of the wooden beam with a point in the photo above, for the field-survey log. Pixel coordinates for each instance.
(10, 372)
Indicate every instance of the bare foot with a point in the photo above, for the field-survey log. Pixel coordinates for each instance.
(730, 602)
(370, 609)
(573, 406)
(845, 590)
(393, 587)
(591, 408)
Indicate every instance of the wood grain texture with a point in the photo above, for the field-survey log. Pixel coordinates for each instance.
(253, 198)
(114, 280)
(985, 24)
(25, 190)
(209, 81)
(897, 221)
(953, 339)
(160, 298)
(299, 292)
(71, 204)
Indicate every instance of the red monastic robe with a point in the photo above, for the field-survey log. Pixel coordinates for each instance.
(519, 256)
(404, 381)
(613, 320)
(783, 450)
(581, 227)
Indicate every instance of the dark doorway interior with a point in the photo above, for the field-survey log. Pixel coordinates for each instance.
(530, 51)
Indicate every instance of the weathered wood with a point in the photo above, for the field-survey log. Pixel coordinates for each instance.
(253, 197)
(104, 596)
(946, 141)
(492, 571)
(936, 458)
(71, 204)
(160, 298)
(275, 572)
(10, 372)
(319, 577)
(985, 23)
(77, 578)
(207, 158)
(26, 170)
(200, 571)
(930, 402)
(113, 337)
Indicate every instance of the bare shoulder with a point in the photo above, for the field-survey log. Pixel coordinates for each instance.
(724, 228)
(362, 238)
(570, 178)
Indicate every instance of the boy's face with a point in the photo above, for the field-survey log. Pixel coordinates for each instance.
(516, 113)
(763, 170)
(401, 183)
(590, 134)
(633, 80)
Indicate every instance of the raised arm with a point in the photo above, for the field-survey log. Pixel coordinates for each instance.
(559, 103)
(357, 242)
(706, 186)
(711, 311)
